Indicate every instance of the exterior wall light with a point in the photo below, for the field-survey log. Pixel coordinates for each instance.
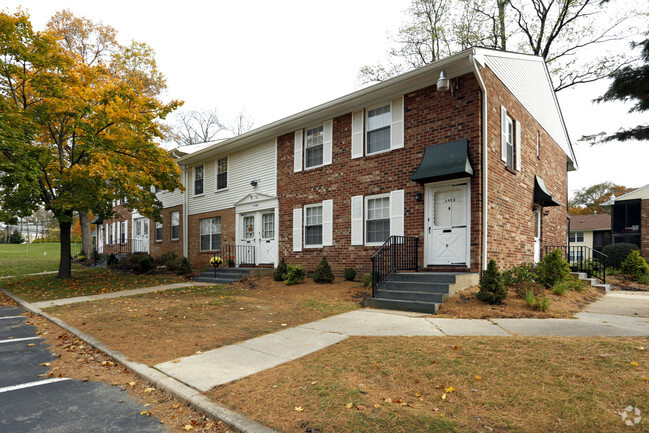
(442, 82)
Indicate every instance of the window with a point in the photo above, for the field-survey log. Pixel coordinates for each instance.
(110, 234)
(249, 227)
(158, 231)
(509, 142)
(538, 144)
(122, 229)
(575, 256)
(314, 147)
(313, 225)
(377, 220)
(576, 237)
(198, 180)
(210, 234)
(268, 226)
(222, 174)
(378, 129)
(175, 225)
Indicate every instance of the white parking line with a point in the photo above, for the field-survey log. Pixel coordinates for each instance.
(13, 340)
(11, 317)
(30, 384)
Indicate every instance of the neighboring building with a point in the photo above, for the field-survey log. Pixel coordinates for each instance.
(592, 231)
(477, 171)
(127, 232)
(630, 218)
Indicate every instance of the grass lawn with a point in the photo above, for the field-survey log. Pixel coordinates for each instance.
(21, 259)
(452, 384)
(164, 326)
(37, 288)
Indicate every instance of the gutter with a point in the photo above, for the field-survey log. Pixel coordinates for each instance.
(185, 211)
(485, 141)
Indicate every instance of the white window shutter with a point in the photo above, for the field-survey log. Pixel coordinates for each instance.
(503, 133)
(517, 146)
(327, 223)
(358, 118)
(396, 213)
(297, 153)
(327, 142)
(126, 230)
(396, 130)
(114, 232)
(357, 220)
(297, 229)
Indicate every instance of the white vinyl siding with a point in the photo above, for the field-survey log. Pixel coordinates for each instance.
(255, 163)
(378, 129)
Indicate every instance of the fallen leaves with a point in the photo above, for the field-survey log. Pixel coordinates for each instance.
(298, 409)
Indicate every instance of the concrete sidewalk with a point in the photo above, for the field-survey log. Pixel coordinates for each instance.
(230, 363)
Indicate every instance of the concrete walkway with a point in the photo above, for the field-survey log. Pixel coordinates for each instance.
(616, 314)
(66, 301)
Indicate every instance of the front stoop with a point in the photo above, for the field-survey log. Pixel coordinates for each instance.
(223, 275)
(421, 292)
(594, 282)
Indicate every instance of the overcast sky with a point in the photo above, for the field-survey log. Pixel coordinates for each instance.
(278, 58)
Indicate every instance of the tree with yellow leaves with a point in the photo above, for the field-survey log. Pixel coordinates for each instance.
(79, 122)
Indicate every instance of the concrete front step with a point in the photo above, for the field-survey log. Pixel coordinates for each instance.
(424, 277)
(415, 286)
(411, 295)
(223, 275)
(395, 304)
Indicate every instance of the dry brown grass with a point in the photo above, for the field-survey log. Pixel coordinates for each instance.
(397, 384)
(167, 325)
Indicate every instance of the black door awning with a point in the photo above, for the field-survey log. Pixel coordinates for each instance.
(97, 220)
(447, 159)
(541, 194)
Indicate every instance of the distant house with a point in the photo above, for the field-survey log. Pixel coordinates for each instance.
(592, 231)
(630, 218)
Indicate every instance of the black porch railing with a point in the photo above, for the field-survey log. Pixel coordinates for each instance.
(583, 259)
(238, 255)
(398, 253)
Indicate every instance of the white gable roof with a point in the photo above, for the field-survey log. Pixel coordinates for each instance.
(528, 79)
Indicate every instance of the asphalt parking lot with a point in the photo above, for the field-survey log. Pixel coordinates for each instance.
(31, 402)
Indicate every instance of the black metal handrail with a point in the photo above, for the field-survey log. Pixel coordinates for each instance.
(583, 259)
(398, 253)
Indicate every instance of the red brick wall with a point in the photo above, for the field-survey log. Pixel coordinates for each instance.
(510, 193)
(158, 248)
(430, 118)
(199, 259)
(644, 228)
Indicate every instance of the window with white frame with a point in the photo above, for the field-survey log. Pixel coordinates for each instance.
(222, 174)
(576, 237)
(377, 219)
(158, 231)
(575, 256)
(110, 234)
(510, 140)
(378, 129)
(210, 234)
(313, 147)
(175, 225)
(313, 225)
(123, 232)
(198, 180)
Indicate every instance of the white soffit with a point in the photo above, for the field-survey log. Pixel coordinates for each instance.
(527, 78)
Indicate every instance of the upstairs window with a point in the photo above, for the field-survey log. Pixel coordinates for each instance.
(222, 174)
(378, 129)
(198, 180)
(510, 140)
(314, 147)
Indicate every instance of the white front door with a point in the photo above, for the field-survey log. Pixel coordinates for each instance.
(267, 241)
(141, 237)
(537, 235)
(248, 238)
(447, 231)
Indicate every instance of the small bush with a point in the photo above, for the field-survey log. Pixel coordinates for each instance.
(349, 274)
(323, 273)
(525, 273)
(112, 261)
(643, 279)
(184, 267)
(561, 288)
(543, 304)
(294, 275)
(634, 266)
(492, 289)
(540, 303)
(82, 257)
(168, 257)
(144, 263)
(530, 299)
(281, 269)
(16, 238)
(616, 253)
(366, 279)
(552, 269)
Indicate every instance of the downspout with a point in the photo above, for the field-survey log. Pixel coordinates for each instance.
(485, 141)
(185, 211)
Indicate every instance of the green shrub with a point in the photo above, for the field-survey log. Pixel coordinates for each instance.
(168, 258)
(492, 289)
(323, 273)
(616, 253)
(525, 273)
(144, 263)
(184, 267)
(281, 269)
(541, 303)
(530, 299)
(643, 279)
(552, 269)
(294, 275)
(366, 279)
(561, 288)
(16, 238)
(112, 261)
(349, 274)
(635, 265)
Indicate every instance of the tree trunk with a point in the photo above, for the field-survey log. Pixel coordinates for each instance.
(86, 236)
(65, 263)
